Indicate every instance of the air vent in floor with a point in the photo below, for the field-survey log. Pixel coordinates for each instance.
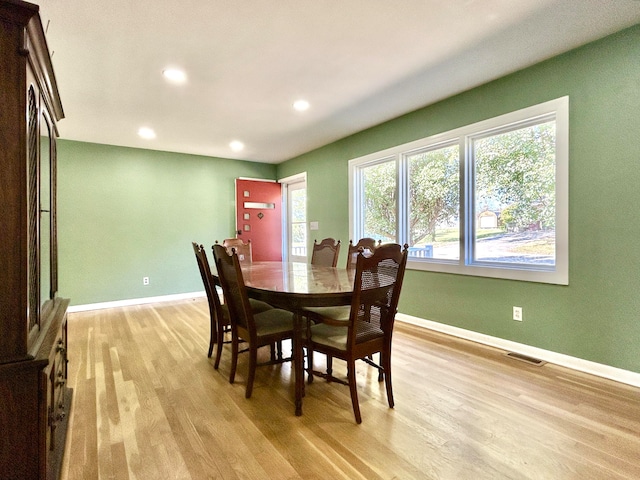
(524, 358)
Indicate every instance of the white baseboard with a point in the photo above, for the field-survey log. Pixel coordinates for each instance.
(134, 301)
(586, 366)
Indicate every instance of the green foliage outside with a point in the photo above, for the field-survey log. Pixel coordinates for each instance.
(434, 177)
(380, 201)
(298, 220)
(514, 177)
(517, 169)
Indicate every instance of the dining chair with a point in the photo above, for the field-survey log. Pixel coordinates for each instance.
(245, 255)
(232, 242)
(326, 252)
(257, 329)
(218, 317)
(341, 313)
(218, 312)
(366, 243)
(243, 250)
(369, 329)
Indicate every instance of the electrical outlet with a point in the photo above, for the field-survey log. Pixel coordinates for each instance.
(145, 280)
(517, 313)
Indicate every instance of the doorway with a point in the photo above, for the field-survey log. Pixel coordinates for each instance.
(295, 226)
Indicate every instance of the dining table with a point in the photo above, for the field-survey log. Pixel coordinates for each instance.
(294, 286)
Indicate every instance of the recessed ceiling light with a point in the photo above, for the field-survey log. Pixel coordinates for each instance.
(175, 75)
(147, 133)
(301, 105)
(236, 146)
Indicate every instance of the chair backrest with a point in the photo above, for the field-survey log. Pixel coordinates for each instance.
(325, 253)
(232, 242)
(377, 285)
(208, 280)
(367, 244)
(243, 250)
(235, 293)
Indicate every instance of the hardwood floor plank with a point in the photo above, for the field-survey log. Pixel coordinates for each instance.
(149, 405)
(120, 461)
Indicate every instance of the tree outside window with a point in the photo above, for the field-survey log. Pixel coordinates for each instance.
(488, 199)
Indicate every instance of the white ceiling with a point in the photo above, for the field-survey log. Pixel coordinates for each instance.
(358, 62)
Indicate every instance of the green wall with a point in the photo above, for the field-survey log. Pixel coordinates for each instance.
(597, 316)
(126, 213)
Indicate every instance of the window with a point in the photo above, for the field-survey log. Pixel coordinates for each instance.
(434, 202)
(379, 205)
(488, 199)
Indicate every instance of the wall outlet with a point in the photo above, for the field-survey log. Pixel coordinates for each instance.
(145, 280)
(517, 313)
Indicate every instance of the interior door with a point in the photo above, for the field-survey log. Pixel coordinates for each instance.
(259, 217)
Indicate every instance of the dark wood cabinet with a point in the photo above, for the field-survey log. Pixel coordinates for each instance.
(34, 397)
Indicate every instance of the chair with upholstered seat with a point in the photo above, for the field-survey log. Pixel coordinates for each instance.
(369, 329)
(257, 329)
(243, 250)
(218, 312)
(231, 242)
(341, 313)
(245, 255)
(215, 309)
(326, 252)
(367, 244)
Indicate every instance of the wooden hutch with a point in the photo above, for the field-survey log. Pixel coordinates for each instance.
(34, 397)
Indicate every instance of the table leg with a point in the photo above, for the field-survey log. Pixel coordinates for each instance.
(298, 360)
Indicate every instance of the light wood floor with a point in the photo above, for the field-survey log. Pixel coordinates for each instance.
(149, 405)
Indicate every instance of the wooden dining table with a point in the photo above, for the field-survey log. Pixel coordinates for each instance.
(293, 286)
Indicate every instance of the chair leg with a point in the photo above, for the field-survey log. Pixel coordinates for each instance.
(253, 360)
(216, 364)
(380, 370)
(329, 367)
(279, 348)
(214, 335)
(220, 342)
(386, 365)
(310, 364)
(351, 370)
(234, 357)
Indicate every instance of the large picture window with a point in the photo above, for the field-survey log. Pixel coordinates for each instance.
(488, 199)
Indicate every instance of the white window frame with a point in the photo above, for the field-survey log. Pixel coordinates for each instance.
(557, 109)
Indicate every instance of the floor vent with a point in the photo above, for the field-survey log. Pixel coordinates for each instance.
(524, 358)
